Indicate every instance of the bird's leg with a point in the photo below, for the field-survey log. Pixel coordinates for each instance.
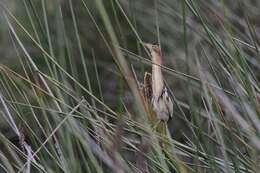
(155, 127)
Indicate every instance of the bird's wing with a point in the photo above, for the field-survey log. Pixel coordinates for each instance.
(163, 105)
(168, 102)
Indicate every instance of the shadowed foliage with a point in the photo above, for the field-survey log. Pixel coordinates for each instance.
(75, 86)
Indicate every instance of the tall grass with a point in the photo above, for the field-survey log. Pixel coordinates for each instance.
(60, 111)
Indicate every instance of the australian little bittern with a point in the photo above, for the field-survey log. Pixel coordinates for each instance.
(161, 102)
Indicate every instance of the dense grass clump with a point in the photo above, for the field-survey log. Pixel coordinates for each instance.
(71, 74)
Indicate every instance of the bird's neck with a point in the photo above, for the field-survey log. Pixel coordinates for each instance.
(157, 74)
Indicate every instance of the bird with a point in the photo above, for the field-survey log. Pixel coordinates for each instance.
(161, 101)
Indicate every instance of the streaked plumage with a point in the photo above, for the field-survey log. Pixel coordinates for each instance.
(161, 102)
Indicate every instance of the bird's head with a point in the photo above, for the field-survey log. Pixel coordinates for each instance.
(153, 48)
